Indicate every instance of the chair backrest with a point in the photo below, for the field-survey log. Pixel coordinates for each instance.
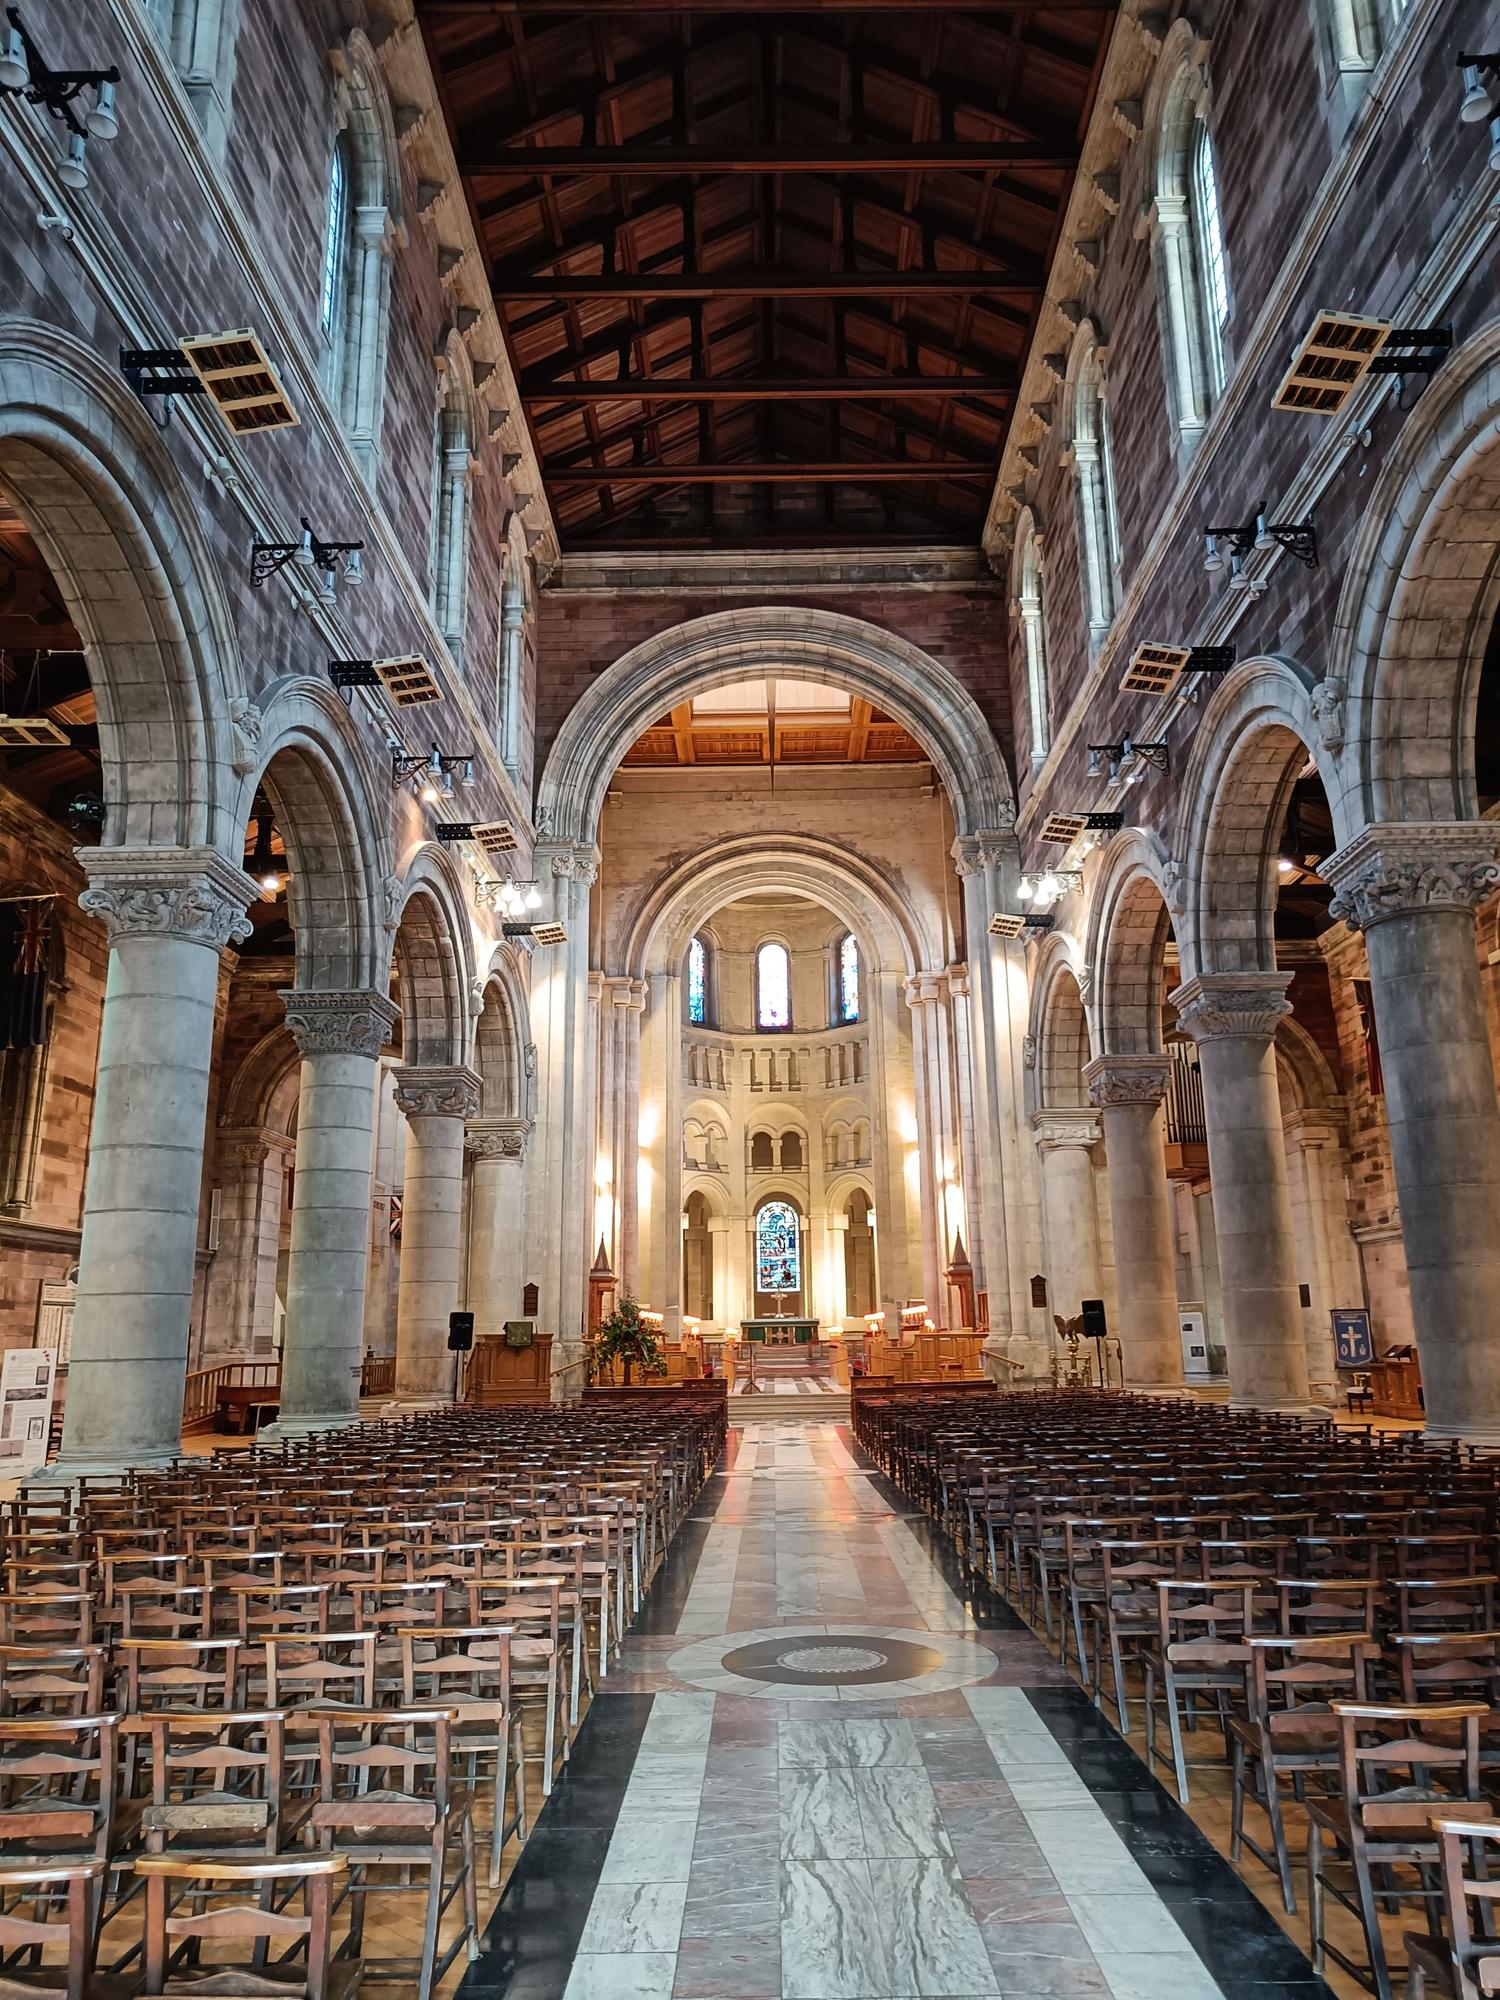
(1204, 1625)
(1286, 1673)
(79, 1886)
(381, 1767)
(52, 1680)
(213, 1777)
(460, 1665)
(1310, 1605)
(57, 1780)
(319, 1669)
(261, 1914)
(1435, 1665)
(1388, 1750)
(1470, 1893)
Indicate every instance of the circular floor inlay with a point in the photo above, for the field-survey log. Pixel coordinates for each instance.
(811, 1659)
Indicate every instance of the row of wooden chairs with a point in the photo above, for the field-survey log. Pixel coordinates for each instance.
(327, 1668)
(1321, 1603)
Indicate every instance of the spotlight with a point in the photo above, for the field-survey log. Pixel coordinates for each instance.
(1091, 770)
(13, 62)
(1024, 891)
(1237, 577)
(468, 780)
(270, 884)
(101, 120)
(307, 552)
(1264, 539)
(74, 173)
(302, 555)
(1476, 105)
(1213, 562)
(354, 567)
(1495, 145)
(533, 898)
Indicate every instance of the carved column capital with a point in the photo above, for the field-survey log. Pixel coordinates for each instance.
(921, 989)
(497, 1138)
(1223, 1006)
(991, 847)
(1127, 1079)
(446, 1090)
(249, 1145)
(1059, 1128)
(189, 893)
(1407, 868)
(357, 1023)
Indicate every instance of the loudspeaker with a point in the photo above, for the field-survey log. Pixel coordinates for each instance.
(460, 1332)
(1094, 1327)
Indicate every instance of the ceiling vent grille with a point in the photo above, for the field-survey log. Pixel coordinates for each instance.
(239, 380)
(1332, 361)
(1154, 669)
(409, 682)
(496, 837)
(31, 732)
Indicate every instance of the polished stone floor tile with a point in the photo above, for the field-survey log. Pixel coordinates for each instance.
(831, 1938)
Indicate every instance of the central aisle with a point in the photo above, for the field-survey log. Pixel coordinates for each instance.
(821, 1772)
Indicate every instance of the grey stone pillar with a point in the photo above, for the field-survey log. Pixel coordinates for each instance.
(168, 913)
(240, 1308)
(1232, 1016)
(1130, 1092)
(435, 1102)
(1413, 890)
(340, 1036)
(1065, 1140)
(497, 1219)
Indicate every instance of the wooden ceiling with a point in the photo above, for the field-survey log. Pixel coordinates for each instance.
(768, 723)
(768, 277)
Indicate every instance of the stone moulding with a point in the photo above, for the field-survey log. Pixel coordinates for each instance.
(1114, 1080)
(449, 1091)
(1232, 1005)
(1402, 870)
(350, 1023)
(189, 893)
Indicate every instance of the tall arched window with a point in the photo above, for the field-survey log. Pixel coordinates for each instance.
(1208, 229)
(697, 983)
(849, 996)
(1187, 236)
(336, 246)
(1031, 619)
(773, 986)
(453, 452)
(361, 222)
(778, 1248)
(1093, 472)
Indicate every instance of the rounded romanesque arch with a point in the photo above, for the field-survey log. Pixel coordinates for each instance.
(1060, 1033)
(1420, 597)
(433, 954)
(1129, 924)
(816, 645)
(106, 505)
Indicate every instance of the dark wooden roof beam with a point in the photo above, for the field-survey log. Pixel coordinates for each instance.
(498, 162)
(780, 284)
(855, 472)
(786, 389)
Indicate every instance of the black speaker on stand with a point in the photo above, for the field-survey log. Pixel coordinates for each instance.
(460, 1340)
(1096, 1328)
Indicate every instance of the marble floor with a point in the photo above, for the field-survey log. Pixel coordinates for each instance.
(824, 1770)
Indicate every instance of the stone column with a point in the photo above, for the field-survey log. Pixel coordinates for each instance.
(340, 1036)
(168, 913)
(718, 1239)
(435, 1103)
(241, 1302)
(1065, 1140)
(1314, 1145)
(497, 1220)
(1232, 1016)
(1130, 1092)
(1413, 890)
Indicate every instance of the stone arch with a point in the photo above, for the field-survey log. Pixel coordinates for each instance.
(109, 513)
(314, 768)
(499, 1057)
(433, 952)
(1305, 1068)
(1060, 1029)
(1247, 754)
(1129, 923)
(262, 1091)
(709, 1192)
(863, 901)
(1420, 597)
(818, 645)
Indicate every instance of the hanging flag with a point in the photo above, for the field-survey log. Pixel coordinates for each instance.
(25, 956)
(1364, 1000)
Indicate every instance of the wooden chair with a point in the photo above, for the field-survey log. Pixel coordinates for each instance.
(1289, 1730)
(407, 1826)
(1200, 1649)
(77, 1889)
(304, 1969)
(58, 1790)
(467, 1669)
(1465, 1965)
(1376, 1823)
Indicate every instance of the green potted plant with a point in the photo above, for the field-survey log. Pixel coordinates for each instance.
(626, 1337)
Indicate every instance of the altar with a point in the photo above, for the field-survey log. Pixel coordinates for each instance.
(780, 1332)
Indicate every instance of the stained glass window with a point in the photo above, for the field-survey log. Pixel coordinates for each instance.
(778, 1248)
(697, 983)
(849, 979)
(773, 987)
(335, 241)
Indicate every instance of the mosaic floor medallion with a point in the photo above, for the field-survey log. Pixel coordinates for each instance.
(826, 1661)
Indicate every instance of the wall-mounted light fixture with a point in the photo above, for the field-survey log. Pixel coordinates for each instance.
(309, 552)
(1259, 534)
(1481, 77)
(1127, 759)
(25, 72)
(507, 898)
(431, 776)
(1046, 886)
